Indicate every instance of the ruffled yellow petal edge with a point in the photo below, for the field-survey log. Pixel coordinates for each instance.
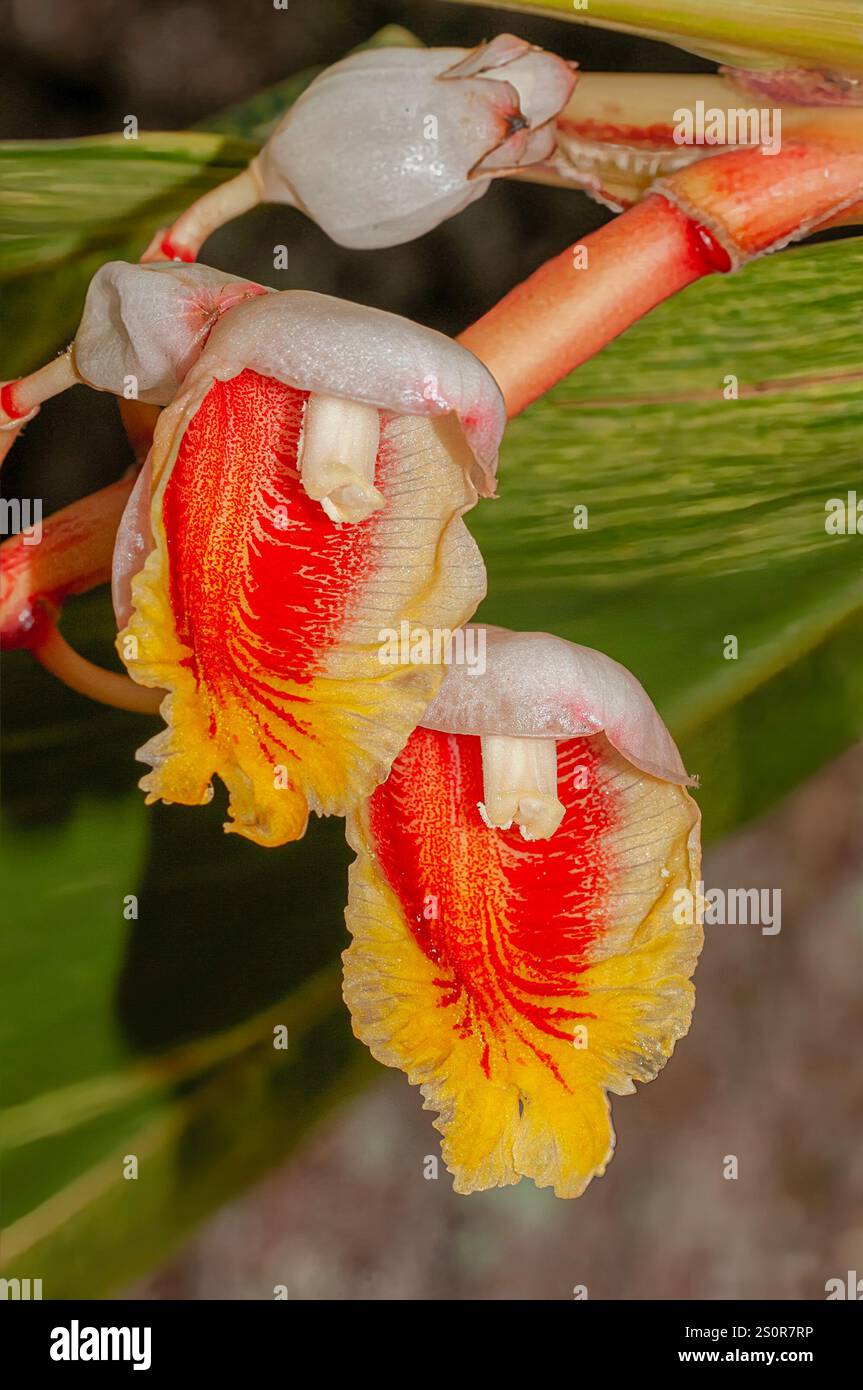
(263, 619)
(518, 984)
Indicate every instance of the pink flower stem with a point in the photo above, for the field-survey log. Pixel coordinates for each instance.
(106, 687)
(713, 215)
(568, 310)
(73, 555)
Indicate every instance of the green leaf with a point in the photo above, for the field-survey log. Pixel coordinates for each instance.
(71, 205)
(153, 1035)
(706, 519)
(63, 198)
(743, 33)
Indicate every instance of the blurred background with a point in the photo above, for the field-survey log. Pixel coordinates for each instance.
(316, 1175)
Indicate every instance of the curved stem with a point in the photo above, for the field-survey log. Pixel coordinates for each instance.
(712, 215)
(108, 687)
(573, 305)
(20, 398)
(73, 555)
(184, 238)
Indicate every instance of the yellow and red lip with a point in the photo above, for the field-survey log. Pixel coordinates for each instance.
(258, 612)
(302, 498)
(520, 980)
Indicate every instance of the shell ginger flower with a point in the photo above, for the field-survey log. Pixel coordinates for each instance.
(389, 143)
(304, 491)
(516, 949)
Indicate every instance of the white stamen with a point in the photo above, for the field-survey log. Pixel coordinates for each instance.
(520, 785)
(337, 457)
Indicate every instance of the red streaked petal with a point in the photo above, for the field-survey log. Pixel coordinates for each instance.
(479, 960)
(263, 618)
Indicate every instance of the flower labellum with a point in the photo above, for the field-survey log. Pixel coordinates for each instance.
(518, 945)
(303, 496)
(389, 143)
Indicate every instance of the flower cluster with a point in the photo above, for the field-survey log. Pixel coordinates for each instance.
(520, 831)
(291, 569)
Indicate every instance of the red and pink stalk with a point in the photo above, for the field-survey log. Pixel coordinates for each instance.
(714, 215)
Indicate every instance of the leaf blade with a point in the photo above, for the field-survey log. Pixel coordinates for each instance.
(741, 33)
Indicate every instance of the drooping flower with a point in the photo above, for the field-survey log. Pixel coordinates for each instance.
(387, 144)
(523, 909)
(304, 492)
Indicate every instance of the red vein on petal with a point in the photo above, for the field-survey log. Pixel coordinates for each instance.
(515, 920)
(262, 582)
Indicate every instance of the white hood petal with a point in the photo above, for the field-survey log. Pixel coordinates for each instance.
(149, 323)
(325, 345)
(542, 81)
(486, 57)
(536, 685)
